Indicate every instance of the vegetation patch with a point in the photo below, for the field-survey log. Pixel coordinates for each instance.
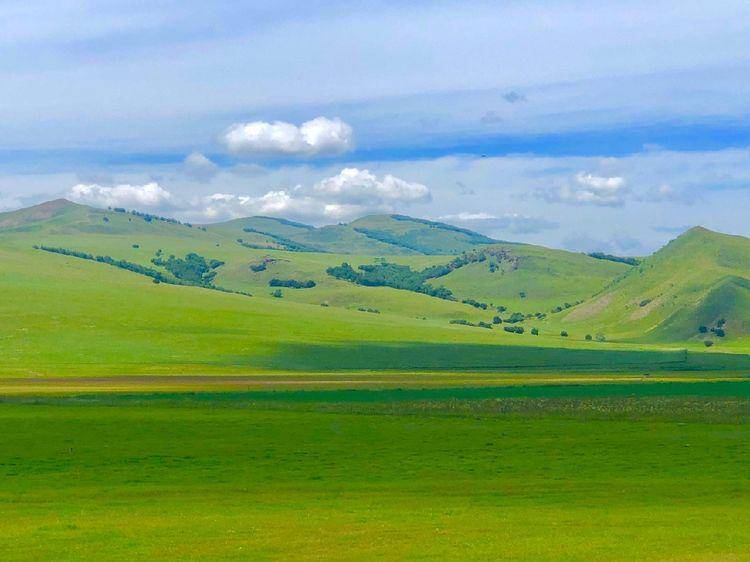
(194, 268)
(292, 283)
(158, 277)
(617, 259)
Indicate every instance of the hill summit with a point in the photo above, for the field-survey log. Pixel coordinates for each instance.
(695, 285)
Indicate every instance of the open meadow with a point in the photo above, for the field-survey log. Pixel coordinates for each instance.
(571, 470)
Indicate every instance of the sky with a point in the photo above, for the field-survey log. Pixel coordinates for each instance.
(584, 125)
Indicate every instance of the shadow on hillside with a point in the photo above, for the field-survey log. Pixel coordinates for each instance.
(459, 357)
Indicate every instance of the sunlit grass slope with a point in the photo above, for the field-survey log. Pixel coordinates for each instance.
(702, 278)
(546, 277)
(63, 315)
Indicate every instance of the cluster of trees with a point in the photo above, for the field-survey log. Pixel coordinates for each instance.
(475, 304)
(292, 283)
(194, 268)
(463, 322)
(370, 310)
(610, 257)
(514, 329)
(515, 318)
(155, 274)
(717, 330)
(389, 275)
(150, 218)
(565, 306)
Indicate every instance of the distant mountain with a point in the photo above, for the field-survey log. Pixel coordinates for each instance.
(697, 287)
(370, 235)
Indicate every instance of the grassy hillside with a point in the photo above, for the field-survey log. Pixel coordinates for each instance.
(372, 235)
(547, 277)
(533, 279)
(700, 279)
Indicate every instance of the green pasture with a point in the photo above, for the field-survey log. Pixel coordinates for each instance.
(638, 471)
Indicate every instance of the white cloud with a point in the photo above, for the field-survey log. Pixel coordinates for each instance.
(361, 187)
(150, 195)
(349, 194)
(588, 189)
(222, 206)
(200, 167)
(320, 136)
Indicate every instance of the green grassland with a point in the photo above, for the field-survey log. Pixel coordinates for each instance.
(696, 280)
(147, 420)
(65, 315)
(638, 471)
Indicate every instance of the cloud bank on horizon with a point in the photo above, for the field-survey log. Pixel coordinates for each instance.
(568, 124)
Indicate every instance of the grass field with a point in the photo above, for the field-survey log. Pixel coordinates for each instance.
(607, 471)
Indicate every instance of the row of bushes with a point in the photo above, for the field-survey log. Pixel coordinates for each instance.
(156, 275)
(292, 283)
(463, 322)
(150, 218)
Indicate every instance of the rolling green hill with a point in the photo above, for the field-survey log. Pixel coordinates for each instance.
(101, 305)
(371, 235)
(700, 279)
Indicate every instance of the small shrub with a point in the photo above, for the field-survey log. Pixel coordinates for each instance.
(600, 338)
(497, 320)
(588, 337)
(708, 343)
(534, 331)
(136, 246)
(703, 329)
(564, 334)
(277, 294)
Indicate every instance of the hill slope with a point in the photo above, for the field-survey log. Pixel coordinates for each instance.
(372, 235)
(254, 251)
(702, 278)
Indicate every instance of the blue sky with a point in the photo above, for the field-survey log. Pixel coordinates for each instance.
(584, 125)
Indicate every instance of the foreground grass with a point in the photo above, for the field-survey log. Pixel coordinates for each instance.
(654, 471)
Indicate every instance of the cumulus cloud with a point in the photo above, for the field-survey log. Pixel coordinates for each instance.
(199, 167)
(150, 195)
(221, 206)
(320, 136)
(349, 194)
(587, 189)
(509, 222)
(361, 187)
